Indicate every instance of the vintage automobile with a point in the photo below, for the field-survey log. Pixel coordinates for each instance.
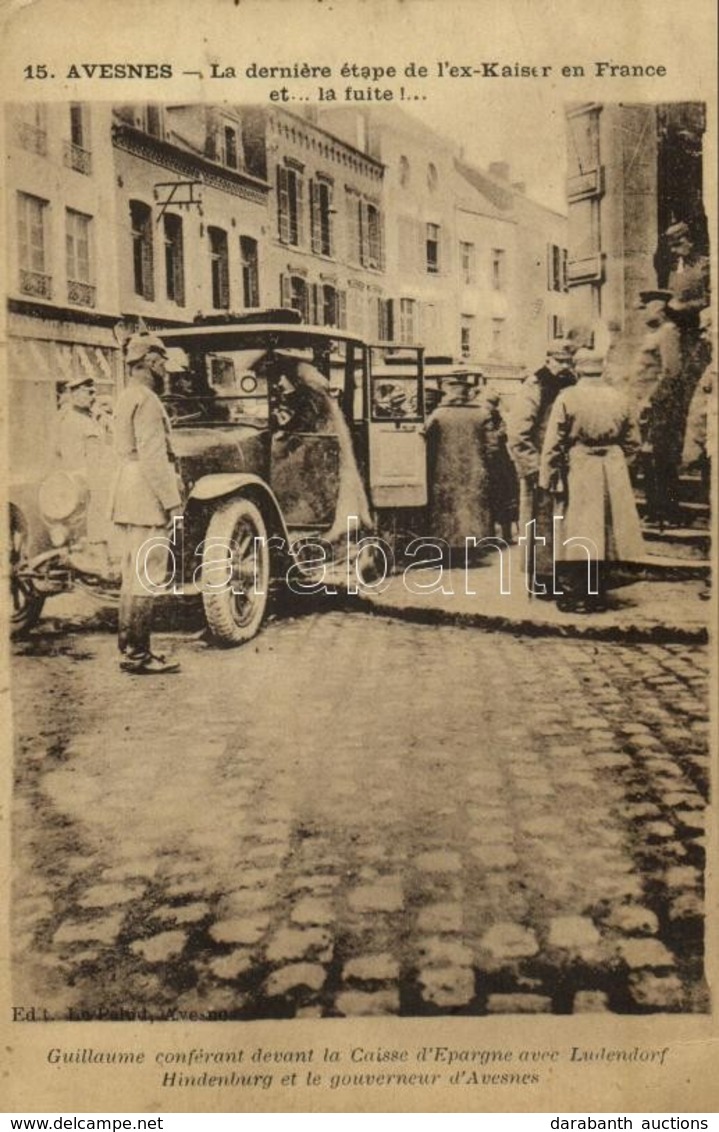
(285, 435)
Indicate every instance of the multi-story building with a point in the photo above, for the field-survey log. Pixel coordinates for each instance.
(61, 262)
(475, 270)
(633, 169)
(194, 209)
(326, 246)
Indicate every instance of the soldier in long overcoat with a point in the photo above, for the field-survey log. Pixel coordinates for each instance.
(457, 475)
(591, 433)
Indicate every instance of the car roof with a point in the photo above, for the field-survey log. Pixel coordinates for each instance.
(250, 336)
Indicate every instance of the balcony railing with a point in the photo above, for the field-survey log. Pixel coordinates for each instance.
(78, 158)
(36, 283)
(81, 294)
(31, 138)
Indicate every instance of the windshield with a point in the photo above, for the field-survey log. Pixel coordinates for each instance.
(219, 387)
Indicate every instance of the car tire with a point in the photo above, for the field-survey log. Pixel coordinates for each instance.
(25, 601)
(235, 609)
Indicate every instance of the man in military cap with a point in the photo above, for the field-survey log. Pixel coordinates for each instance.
(526, 427)
(688, 275)
(77, 431)
(145, 500)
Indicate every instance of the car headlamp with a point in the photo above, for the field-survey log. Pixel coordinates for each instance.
(60, 495)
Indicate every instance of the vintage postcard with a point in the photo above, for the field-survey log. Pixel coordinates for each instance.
(359, 397)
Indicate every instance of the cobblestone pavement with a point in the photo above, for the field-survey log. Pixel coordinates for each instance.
(354, 816)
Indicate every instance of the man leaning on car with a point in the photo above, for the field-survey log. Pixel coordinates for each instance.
(145, 500)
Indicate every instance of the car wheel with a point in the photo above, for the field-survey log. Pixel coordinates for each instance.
(25, 601)
(235, 572)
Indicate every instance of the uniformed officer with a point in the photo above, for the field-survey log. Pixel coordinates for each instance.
(145, 501)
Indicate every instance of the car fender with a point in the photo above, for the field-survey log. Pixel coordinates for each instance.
(222, 485)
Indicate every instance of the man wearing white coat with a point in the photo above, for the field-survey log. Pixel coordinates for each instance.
(591, 434)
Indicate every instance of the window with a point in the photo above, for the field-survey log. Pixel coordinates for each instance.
(289, 204)
(583, 149)
(556, 327)
(31, 128)
(497, 336)
(142, 255)
(231, 148)
(365, 232)
(466, 335)
(154, 120)
(467, 255)
(385, 318)
(498, 269)
(77, 124)
(372, 246)
(294, 293)
(321, 217)
(32, 240)
(432, 177)
(407, 321)
(249, 260)
(556, 268)
(334, 306)
(77, 258)
(432, 247)
(174, 259)
(220, 268)
(77, 150)
(404, 171)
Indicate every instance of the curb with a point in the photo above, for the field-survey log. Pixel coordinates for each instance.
(631, 634)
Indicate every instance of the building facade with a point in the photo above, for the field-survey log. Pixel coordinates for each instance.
(62, 266)
(146, 214)
(633, 169)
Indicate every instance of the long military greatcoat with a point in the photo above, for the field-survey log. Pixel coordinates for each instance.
(458, 481)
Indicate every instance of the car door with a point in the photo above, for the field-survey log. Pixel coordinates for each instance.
(394, 399)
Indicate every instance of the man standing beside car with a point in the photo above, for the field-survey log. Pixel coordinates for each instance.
(145, 501)
(526, 427)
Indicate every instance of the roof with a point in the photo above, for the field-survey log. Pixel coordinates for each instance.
(251, 336)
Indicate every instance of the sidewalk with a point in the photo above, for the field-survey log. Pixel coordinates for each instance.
(656, 601)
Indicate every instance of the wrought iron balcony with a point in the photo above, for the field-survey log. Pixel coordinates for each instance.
(81, 294)
(78, 158)
(36, 283)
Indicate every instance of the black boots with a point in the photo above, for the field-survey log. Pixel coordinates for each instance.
(135, 624)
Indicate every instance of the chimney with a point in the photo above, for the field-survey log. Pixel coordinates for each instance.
(519, 186)
(499, 169)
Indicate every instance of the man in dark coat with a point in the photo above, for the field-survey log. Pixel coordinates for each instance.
(457, 479)
(526, 427)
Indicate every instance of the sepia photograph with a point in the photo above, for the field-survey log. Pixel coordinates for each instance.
(359, 569)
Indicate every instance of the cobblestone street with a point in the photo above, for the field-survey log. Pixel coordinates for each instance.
(356, 816)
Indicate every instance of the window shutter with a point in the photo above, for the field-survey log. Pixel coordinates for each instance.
(342, 310)
(330, 220)
(314, 304)
(283, 205)
(300, 210)
(420, 243)
(315, 217)
(353, 231)
(285, 291)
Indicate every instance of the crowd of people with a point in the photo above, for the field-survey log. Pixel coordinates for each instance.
(561, 471)
(551, 467)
